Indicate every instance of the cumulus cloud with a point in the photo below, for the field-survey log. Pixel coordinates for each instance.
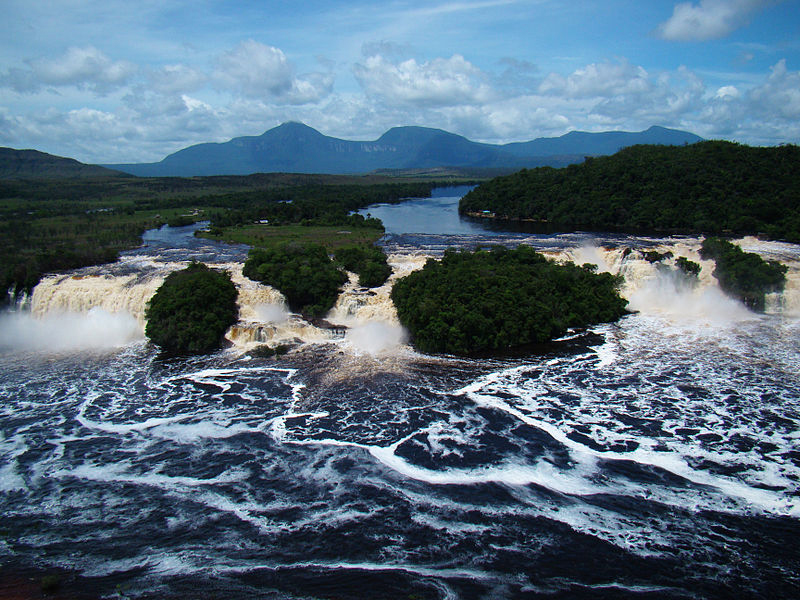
(779, 96)
(256, 70)
(177, 78)
(599, 79)
(710, 19)
(83, 68)
(439, 82)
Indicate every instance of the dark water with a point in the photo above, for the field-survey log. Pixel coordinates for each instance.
(645, 459)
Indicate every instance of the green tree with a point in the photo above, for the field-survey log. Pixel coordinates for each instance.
(192, 310)
(368, 262)
(494, 300)
(303, 273)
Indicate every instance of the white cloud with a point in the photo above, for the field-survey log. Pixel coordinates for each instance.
(256, 70)
(710, 19)
(779, 97)
(599, 80)
(440, 82)
(727, 92)
(84, 68)
(174, 79)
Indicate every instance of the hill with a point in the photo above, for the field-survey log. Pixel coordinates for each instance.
(297, 148)
(710, 187)
(32, 164)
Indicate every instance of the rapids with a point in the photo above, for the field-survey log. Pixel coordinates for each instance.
(656, 457)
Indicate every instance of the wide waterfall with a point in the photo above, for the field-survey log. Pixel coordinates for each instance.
(112, 298)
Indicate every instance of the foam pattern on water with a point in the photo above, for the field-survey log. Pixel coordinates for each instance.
(449, 477)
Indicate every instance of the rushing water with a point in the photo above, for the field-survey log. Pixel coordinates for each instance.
(653, 458)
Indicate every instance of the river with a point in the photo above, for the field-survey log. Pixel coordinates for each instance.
(656, 457)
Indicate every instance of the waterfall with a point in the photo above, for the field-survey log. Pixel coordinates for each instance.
(77, 293)
(105, 306)
(369, 314)
(356, 305)
(662, 288)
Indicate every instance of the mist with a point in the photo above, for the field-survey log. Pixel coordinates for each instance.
(68, 331)
(376, 337)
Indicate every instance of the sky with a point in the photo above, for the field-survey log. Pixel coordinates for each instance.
(112, 81)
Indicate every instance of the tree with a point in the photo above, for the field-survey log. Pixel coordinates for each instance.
(303, 273)
(192, 310)
(368, 261)
(499, 299)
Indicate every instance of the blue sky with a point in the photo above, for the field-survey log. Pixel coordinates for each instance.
(111, 81)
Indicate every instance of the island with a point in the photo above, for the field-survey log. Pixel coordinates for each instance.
(191, 311)
(497, 300)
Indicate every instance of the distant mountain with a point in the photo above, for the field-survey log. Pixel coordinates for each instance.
(32, 164)
(600, 144)
(297, 148)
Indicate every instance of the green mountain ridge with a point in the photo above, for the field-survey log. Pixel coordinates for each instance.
(33, 164)
(297, 148)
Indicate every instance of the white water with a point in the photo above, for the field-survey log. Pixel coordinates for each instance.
(670, 436)
(96, 309)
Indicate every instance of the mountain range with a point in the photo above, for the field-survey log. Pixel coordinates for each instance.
(32, 164)
(297, 148)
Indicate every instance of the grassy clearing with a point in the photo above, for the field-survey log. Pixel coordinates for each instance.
(267, 236)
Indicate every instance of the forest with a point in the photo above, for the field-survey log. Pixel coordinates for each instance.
(53, 225)
(743, 275)
(191, 311)
(495, 300)
(716, 187)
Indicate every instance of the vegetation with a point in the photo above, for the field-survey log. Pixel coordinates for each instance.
(303, 273)
(743, 275)
(499, 299)
(709, 187)
(368, 261)
(653, 256)
(312, 204)
(689, 267)
(192, 310)
(58, 224)
(266, 235)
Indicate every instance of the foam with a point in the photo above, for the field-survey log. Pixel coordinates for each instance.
(532, 399)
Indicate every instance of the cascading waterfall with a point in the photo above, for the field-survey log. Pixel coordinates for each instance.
(662, 288)
(369, 314)
(105, 306)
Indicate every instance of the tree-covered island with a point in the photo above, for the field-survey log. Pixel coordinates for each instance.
(303, 273)
(495, 300)
(192, 310)
(744, 275)
(709, 187)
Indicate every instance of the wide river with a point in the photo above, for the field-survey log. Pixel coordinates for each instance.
(657, 457)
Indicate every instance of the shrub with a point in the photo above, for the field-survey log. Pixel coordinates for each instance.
(689, 267)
